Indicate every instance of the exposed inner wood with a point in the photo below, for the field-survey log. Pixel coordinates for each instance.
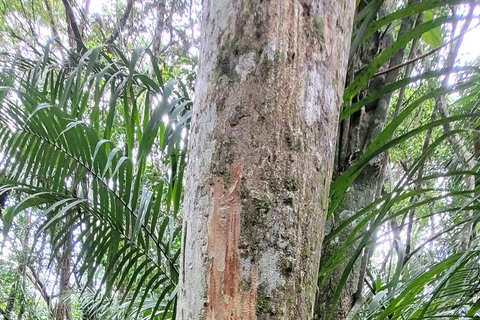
(227, 298)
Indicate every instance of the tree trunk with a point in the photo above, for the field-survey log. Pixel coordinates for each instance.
(160, 8)
(264, 126)
(74, 33)
(64, 306)
(357, 132)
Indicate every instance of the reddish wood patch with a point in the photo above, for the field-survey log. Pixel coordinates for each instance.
(227, 299)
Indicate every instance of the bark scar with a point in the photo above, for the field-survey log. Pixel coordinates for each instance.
(226, 298)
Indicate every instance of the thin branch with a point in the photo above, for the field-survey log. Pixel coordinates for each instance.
(160, 24)
(408, 71)
(30, 25)
(121, 24)
(85, 11)
(37, 282)
(358, 296)
(423, 55)
(56, 35)
(98, 19)
(48, 5)
(407, 257)
(464, 155)
(356, 308)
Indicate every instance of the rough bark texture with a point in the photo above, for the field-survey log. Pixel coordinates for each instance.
(263, 133)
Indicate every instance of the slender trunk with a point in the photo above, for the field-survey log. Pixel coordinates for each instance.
(64, 269)
(41, 288)
(64, 306)
(466, 157)
(75, 33)
(63, 310)
(16, 292)
(87, 313)
(21, 312)
(121, 23)
(264, 125)
(53, 25)
(160, 6)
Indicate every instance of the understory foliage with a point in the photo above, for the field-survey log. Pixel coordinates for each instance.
(81, 147)
(92, 156)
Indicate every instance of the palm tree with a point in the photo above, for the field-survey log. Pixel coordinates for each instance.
(82, 146)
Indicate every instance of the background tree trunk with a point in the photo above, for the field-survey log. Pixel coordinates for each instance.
(264, 126)
(160, 8)
(357, 132)
(64, 305)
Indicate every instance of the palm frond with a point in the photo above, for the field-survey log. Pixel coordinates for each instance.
(57, 159)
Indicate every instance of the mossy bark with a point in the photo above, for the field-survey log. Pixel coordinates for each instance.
(261, 153)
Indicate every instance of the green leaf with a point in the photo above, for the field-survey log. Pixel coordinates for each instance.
(434, 37)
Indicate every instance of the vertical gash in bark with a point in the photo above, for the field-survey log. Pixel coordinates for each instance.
(264, 125)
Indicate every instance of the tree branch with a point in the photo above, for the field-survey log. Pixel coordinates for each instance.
(407, 257)
(37, 282)
(52, 20)
(72, 22)
(121, 24)
(157, 37)
(401, 65)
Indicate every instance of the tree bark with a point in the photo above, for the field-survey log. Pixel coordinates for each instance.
(264, 126)
(160, 8)
(64, 305)
(357, 132)
(75, 38)
(121, 24)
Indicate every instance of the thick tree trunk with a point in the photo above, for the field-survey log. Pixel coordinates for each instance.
(263, 134)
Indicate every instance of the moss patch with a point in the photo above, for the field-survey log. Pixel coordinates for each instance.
(291, 184)
(228, 57)
(222, 160)
(246, 284)
(253, 221)
(237, 115)
(244, 191)
(224, 65)
(264, 302)
(286, 266)
(318, 26)
(293, 142)
(262, 206)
